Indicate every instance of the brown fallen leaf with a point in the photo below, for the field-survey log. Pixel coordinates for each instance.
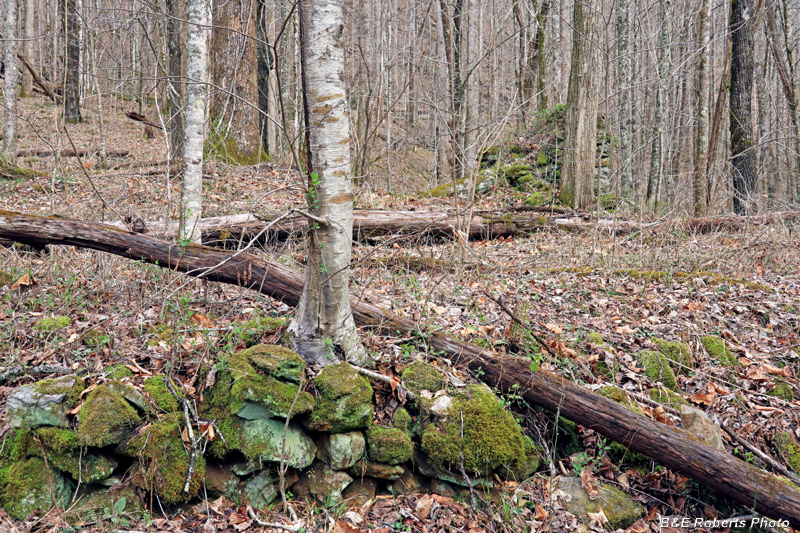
(541, 513)
(589, 483)
(202, 320)
(24, 281)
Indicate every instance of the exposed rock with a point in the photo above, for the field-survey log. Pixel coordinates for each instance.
(30, 485)
(701, 426)
(27, 408)
(344, 402)
(95, 505)
(441, 405)
(427, 468)
(409, 482)
(388, 445)
(323, 484)
(341, 450)
(263, 439)
(105, 418)
(360, 491)
(620, 509)
(221, 479)
(378, 470)
(261, 489)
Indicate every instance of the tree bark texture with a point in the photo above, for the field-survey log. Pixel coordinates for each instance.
(655, 178)
(72, 76)
(700, 174)
(235, 129)
(625, 79)
(27, 45)
(199, 18)
(176, 10)
(11, 86)
(323, 330)
(742, 28)
(747, 484)
(577, 173)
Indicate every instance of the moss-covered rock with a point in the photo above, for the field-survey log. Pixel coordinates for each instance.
(118, 372)
(388, 445)
(402, 420)
(678, 354)
(44, 403)
(106, 418)
(276, 361)
(419, 376)
(156, 389)
(100, 504)
(263, 440)
(254, 330)
(344, 402)
(620, 509)
(261, 489)
(491, 437)
(163, 460)
(51, 324)
(717, 349)
(341, 450)
(657, 367)
(789, 449)
(667, 397)
(536, 199)
(28, 485)
(369, 468)
(512, 173)
(782, 390)
(64, 452)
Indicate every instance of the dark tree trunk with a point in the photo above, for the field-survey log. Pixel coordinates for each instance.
(742, 28)
(266, 63)
(72, 81)
(176, 10)
(675, 448)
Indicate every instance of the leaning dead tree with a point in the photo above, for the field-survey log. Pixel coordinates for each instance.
(743, 482)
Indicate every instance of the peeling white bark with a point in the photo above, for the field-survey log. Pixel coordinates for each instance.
(323, 330)
(199, 17)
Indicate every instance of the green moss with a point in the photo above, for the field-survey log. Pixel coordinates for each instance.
(657, 367)
(568, 440)
(619, 396)
(105, 418)
(389, 446)
(782, 390)
(71, 386)
(164, 462)
(277, 396)
(595, 338)
(677, 352)
(13, 172)
(229, 439)
(226, 150)
(402, 420)
(527, 464)
(156, 389)
(446, 189)
(491, 437)
(30, 485)
(789, 449)
(536, 199)
(717, 349)
(58, 439)
(667, 397)
(253, 331)
(6, 278)
(118, 372)
(609, 201)
(160, 333)
(94, 338)
(419, 376)
(541, 158)
(344, 402)
(50, 324)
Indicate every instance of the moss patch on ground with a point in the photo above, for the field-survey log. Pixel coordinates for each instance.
(789, 449)
(254, 330)
(491, 437)
(667, 397)
(716, 348)
(657, 367)
(677, 352)
(51, 324)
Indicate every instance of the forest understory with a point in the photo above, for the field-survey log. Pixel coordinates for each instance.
(584, 305)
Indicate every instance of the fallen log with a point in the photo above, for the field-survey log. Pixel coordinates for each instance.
(370, 224)
(675, 448)
(69, 152)
(143, 119)
(737, 223)
(37, 79)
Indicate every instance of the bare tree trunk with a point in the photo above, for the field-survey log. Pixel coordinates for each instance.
(453, 44)
(742, 28)
(266, 64)
(72, 76)
(27, 48)
(655, 177)
(176, 11)
(199, 18)
(700, 176)
(626, 100)
(323, 330)
(580, 143)
(11, 87)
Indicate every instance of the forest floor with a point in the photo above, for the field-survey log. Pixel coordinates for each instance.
(596, 298)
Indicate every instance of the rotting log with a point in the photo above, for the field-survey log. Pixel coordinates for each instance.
(143, 119)
(675, 448)
(370, 224)
(737, 223)
(69, 152)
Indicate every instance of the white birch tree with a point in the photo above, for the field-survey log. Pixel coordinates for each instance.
(323, 330)
(199, 18)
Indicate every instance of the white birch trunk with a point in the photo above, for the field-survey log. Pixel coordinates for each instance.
(323, 330)
(199, 17)
(11, 89)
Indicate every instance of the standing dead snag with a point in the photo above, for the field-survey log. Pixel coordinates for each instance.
(768, 494)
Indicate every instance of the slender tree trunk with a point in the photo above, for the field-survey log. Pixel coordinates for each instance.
(655, 177)
(11, 87)
(626, 102)
(199, 19)
(453, 42)
(266, 63)
(323, 330)
(700, 176)
(741, 95)
(541, 43)
(27, 47)
(72, 78)
(580, 143)
(176, 12)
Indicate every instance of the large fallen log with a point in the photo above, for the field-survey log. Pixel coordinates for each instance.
(737, 223)
(369, 224)
(69, 152)
(675, 448)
